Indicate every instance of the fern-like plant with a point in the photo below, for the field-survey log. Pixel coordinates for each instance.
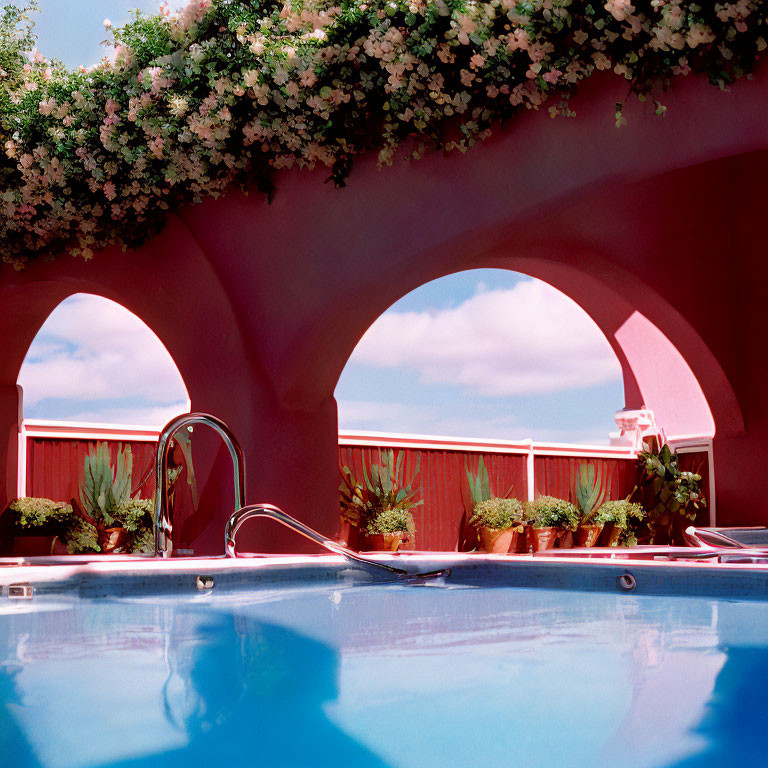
(626, 516)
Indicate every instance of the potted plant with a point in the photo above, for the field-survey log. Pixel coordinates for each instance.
(123, 523)
(480, 490)
(32, 525)
(669, 492)
(499, 523)
(590, 493)
(548, 519)
(38, 526)
(391, 529)
(620, 519)
(379, 507)
(356, 504)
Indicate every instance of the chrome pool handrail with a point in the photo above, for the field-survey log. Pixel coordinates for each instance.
(694, 553)
(707, 537)
(275, 513)
(162, 519)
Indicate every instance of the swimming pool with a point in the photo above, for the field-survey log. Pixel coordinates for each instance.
(305, 662)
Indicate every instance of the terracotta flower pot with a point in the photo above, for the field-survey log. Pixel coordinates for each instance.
(349, 535)
(390, 542)
(32, 546)
(498, 541)
(611, 535)
(565, 539)
(539, 539)
(587, 535)
(111, 539)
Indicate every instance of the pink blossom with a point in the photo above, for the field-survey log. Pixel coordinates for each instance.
(156, 147)
(47, 106)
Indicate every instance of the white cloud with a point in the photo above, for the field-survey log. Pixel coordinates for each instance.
(93, 349)
(530, 339)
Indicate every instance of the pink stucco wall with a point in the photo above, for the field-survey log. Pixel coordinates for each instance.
(261, 305)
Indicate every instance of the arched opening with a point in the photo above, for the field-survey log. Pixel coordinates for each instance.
(94, 388)
(95, 361)
(485, 353)
(502, 372)
(500, 354)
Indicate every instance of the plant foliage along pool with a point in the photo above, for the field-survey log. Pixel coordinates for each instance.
(528, 663)
(229, 90)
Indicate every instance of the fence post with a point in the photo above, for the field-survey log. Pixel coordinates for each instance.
(530, 458)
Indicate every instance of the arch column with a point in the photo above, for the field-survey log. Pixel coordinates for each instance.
(10, 428)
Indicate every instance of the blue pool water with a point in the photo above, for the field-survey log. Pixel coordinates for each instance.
(369, 676)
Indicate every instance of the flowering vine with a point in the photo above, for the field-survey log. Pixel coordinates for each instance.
(226, 91)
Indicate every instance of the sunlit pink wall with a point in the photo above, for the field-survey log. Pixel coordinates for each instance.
(261, 305)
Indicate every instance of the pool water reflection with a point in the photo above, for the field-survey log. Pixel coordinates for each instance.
(385, 676)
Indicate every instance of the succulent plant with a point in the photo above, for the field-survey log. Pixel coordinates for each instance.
(590, 490)
(102, 487)
(384, 489)
(386, 481)
(105, 496)
(480, 485)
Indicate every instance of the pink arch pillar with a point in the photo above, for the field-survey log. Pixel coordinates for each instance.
(261, 305)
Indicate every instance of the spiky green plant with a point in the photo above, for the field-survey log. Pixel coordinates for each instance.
(103, 487)
(105, 496)
(384, 489)
(480, 484)
(387, 483)
(590, 490)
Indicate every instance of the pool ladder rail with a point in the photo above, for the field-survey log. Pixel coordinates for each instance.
(163, 522)
(271, 512)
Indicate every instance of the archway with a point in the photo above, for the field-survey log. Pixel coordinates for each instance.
(562, 344)
(95, 361)
(655, 374)
(484, 353)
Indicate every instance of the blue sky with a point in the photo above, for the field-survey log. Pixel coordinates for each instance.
(486, 353)
(71, 30)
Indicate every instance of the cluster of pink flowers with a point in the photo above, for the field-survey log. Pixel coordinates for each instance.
(216, 94)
